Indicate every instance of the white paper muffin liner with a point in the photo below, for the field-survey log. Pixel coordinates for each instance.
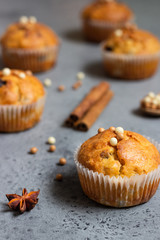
(118, 192)
(125, 66)
(14, 118)
(36, 60)
(98, 31)
(108, 25)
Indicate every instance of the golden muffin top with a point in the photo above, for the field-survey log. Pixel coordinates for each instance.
(29, 34)
(131, 40)
(19, 87)
(116, 152)
(107, 10)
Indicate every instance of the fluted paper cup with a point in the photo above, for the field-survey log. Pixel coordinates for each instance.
(15, 118)
(100, 30)
(36, 60)
(118, 192)
(131, 67)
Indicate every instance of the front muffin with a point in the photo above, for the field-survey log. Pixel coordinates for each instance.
(104, 16)
(118, 168)
(131, 53)
(28, 44)
(22, 98)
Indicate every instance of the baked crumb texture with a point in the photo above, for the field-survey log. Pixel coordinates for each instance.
(132, 155)
(112, 11)
(19, 88)
(132, 41)
(29, 36)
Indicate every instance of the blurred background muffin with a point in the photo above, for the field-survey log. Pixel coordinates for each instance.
(102, 17)
(22, 99)
(118, 168)
(131, 53)
(28, 44)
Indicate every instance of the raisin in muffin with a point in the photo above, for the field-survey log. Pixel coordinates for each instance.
(28, 44)
(118, 168)
(102, 17)
(22, 98)
(131, 53)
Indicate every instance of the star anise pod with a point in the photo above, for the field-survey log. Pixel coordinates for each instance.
(23, 203)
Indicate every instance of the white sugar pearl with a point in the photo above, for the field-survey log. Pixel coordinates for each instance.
(47, 82)
(118, 32)
(147, 99)
(6, 71)
(80, 75)
(23, 19)
(155, 102)
(113, 142)
(151, 94)
(22, 75)
(32, 19)
(158, 97)
(119, 130)
(51, 140)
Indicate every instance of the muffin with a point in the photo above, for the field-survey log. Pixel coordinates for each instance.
(119, 168)
(28, 44)
(102, 17)
(131, 53)
(22, 98)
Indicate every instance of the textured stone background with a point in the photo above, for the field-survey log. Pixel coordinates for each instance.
(63, 211)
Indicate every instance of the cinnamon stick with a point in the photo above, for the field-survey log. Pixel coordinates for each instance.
(90, 117)
(69, 123)
(91, 98)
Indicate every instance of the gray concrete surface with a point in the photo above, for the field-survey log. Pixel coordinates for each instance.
(64, 212)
